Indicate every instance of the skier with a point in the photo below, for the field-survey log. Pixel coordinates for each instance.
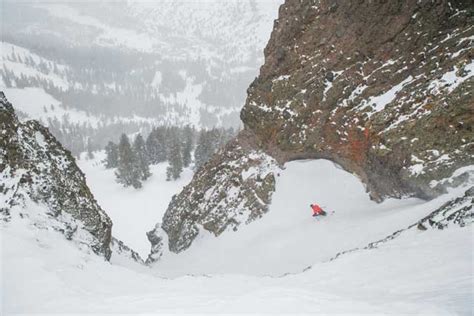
(317, 210)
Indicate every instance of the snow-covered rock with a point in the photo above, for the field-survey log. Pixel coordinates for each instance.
(242, 180)
(119, 249)
(458, 211)
(36, 172)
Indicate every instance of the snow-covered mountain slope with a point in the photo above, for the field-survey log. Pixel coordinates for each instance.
(109, 67)
(133, 212)
(182, 62)
(21, 63)
(196, 29)
(425, 272)
(35, 103)
(288, 239)
(38, 87)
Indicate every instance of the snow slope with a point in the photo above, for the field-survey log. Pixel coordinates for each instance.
(37, 104)
(354, 220)
(14, 58)
(288, 238)
(133, 212)
(419, 273)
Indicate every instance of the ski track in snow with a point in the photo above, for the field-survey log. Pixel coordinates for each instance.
(420, 272)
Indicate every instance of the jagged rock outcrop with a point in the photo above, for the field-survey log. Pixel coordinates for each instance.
(459, 211)
(35, 168)
(383, 88)
(120, 249)
(155, 237)
(234, 187)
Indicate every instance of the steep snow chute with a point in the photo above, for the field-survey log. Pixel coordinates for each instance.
(287, 239)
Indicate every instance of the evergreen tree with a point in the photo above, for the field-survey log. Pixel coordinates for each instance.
(200, 152)
(170, 136)
(204, 148)
(209, 142)
(141, 156)
(215, 136)
(187, 145)
(127, 171)
(151, 145)
(155, 146)
(161, 151)
(175, 167)
(90, 154)
(226, 135)
(111, 159)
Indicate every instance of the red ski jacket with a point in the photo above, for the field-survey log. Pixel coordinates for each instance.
(316, 209)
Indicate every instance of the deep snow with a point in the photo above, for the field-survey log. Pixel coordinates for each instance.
(420, 272)
(44, 273)
(133, 212)
(288, 238)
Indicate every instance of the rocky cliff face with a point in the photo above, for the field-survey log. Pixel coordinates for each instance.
(383, 88)
(37, 173)
(234, 187)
